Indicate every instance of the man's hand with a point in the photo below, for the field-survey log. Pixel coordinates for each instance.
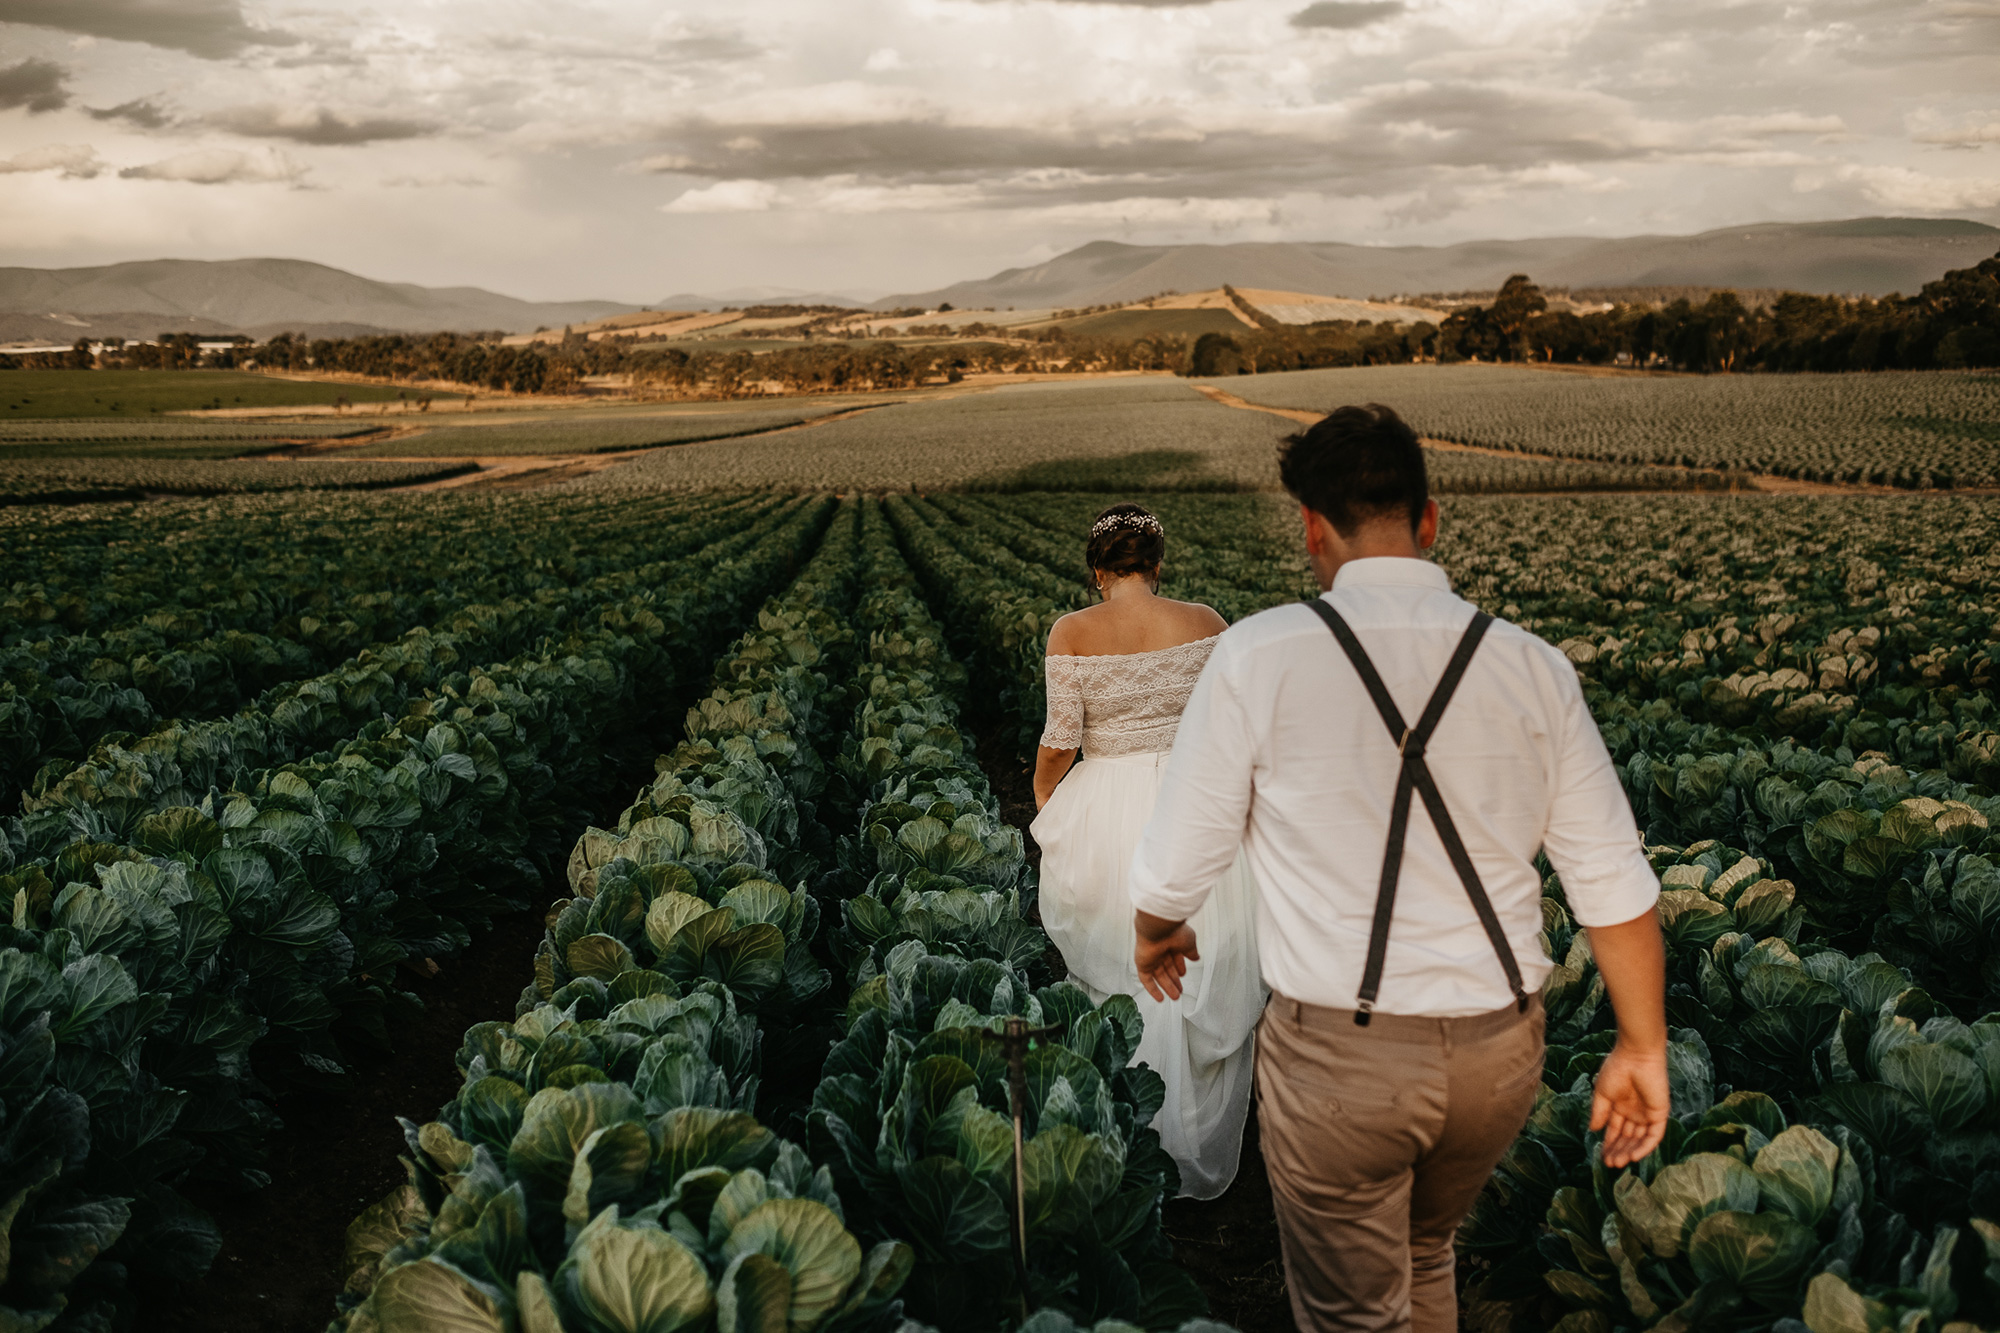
(1162, 954)
(1630, 1104)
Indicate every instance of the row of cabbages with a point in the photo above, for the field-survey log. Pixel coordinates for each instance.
(298, 603)
(175, 954)
(602, 1167)
(686, 987)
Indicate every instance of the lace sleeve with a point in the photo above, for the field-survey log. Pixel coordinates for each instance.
(1064, 729)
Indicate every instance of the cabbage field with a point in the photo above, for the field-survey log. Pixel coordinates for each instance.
(1150, 433)
(131, 476)
(691, 743)
(592, 433)
(1912, 429)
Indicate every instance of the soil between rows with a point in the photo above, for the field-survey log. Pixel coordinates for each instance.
(280, 1265)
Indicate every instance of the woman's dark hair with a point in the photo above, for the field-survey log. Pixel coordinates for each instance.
(1125, 539)
(1356, 464)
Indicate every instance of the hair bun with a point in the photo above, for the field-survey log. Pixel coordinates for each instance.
(1125, 539)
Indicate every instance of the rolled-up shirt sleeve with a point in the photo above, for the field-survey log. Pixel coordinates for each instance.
(1198, 821)
(1592, 839)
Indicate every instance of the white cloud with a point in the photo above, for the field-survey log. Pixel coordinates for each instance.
(436, 182)
(70, 161)
(728, 197)
(1908, 188)
(1972, 131)
(884, 60)
(221, 166)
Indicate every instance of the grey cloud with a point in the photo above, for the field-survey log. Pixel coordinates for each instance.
(34, 84)
(1376, 143)
(706, 47)
(314, 125)
(144, 112)
(211, 29)
(1139, 4)
(1345, 14)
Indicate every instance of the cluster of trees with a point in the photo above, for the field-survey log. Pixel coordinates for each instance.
(1309, 347)
(1952, 324)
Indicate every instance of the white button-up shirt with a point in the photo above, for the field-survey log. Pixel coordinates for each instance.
(1282, 752)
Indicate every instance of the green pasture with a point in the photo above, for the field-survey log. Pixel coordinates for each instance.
(138, 393)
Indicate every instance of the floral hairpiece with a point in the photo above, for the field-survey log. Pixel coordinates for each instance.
(1136, 522)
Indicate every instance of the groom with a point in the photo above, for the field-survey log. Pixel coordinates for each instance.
(1392, 760)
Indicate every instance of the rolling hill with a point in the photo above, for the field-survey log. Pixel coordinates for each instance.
(1871, 256)
(264, 295)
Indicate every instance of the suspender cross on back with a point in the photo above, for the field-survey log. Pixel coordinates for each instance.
(1415, 776)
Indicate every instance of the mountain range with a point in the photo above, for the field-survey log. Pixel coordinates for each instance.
(1860, 256)
(262, 296)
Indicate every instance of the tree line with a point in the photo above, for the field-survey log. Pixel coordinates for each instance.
(1951, 324)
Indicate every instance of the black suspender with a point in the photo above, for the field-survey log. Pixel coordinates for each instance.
(1416, 776)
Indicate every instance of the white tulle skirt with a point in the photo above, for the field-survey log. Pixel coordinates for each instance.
(1202, 1043)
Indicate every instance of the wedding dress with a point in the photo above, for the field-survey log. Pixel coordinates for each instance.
(1123, 711)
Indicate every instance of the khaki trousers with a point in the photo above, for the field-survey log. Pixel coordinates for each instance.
(1377, 1140)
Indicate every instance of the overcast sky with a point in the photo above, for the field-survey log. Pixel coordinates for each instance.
(628, 150)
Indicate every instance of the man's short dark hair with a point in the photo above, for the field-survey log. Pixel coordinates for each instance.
(1356, 464)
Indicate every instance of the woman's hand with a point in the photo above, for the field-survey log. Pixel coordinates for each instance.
(1162, 954)
(1050, 766)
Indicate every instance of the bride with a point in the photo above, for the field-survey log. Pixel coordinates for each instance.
(1119, 674)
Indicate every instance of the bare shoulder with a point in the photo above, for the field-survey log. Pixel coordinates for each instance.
(1067, 634)
(1201, 617)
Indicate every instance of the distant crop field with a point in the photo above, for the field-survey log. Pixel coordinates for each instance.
(1898, 428)
(1149, 433)
(159, 437)
(58, 481)
(1061, 436)
(26, 394)
(580, 435)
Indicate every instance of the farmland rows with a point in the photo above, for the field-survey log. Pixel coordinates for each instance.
(1802, 710)
(167, 431)
(261, 565)
(1929, 429)
(167, 943)
(492, 596)
(611, 1121)
(71, 480)
(584, 436)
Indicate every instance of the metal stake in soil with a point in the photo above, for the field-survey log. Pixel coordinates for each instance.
(1014, 1045)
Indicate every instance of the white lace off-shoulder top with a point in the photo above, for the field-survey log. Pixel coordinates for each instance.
(1123, 703)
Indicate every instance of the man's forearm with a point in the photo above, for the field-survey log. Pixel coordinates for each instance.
(1632, 959)
(1152, 928)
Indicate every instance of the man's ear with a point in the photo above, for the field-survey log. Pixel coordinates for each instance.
(1427, 526)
